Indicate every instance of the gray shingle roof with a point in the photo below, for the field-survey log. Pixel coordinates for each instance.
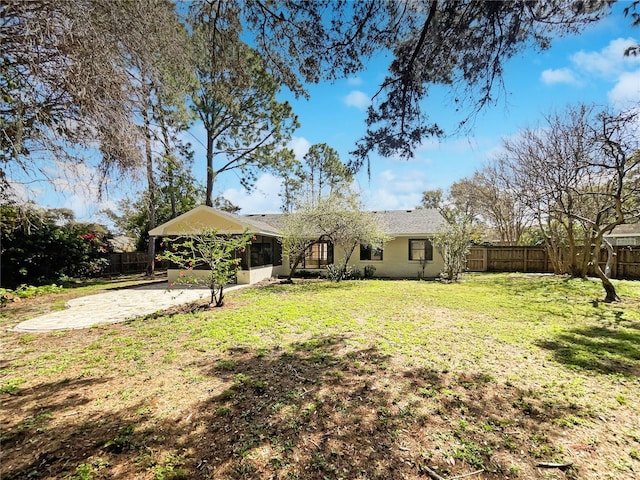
(420, 221)
(626, 229)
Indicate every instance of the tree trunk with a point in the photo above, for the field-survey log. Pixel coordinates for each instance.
(294, 267)
(151, 189)
(168, 158)
(610, 290)
(610, 255)
(217, 296)
(211, 175)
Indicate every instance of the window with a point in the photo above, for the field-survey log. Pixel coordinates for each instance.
(261, 254)
(367, 252)
(420, 249)
(318, 252)
(318, 255)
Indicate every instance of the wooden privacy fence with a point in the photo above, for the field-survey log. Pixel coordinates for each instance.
(626, 262)
(129, 262)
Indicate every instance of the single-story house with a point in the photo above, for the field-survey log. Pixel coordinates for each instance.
(408, 254)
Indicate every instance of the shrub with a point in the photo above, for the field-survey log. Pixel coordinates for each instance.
(27, 291)
(336, 273)
(369, 271)
(42, 246)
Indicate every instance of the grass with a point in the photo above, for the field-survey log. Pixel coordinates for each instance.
(374, 379)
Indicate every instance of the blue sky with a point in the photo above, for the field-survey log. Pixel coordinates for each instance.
(589, 67)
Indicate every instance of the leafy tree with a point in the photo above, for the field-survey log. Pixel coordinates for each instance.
(462, 45)
(75, 87)
(460, 232)
(163, 82)
(490, 197)
(459, 44)
(177, 193)
(320, 174)
(219, 254)
(454, 243)
(432, 199)
(633, 11)
(41, 246)
(338, 219)
(225, 204)
(247, 128)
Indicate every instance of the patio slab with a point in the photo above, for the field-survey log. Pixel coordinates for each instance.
(115, 306)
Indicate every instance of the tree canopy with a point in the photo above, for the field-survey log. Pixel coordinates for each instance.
(578, 174)
(65, 77)
(66, 83)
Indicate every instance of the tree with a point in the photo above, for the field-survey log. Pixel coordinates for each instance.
(463, 45)
(225, 204)
(162, 81)
(177, 192)
(219, 254)
(247, 128)
(432, 199)
(337, 219)
(75, 87)
(454, 243)
(320, 174)
(579, 175)
(66, 84)
(460, 231)
(490, 197)
(632, 11)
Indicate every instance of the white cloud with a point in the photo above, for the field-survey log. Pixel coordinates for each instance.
(561, 75)
(394, 192)
(627, 91)
(354, 81)
(22, 192)
(300, 146)
(263, 198)
(357, 99)
(609, 62)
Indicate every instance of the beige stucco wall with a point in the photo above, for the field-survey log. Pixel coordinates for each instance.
(395, 261)
(257, 274)
(245, 277)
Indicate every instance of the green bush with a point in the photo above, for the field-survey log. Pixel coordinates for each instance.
(335, 273)
(369, 271)
(40, 247)
(26, 291)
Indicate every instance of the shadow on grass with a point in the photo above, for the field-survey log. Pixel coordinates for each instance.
(598, 349)
(318, 409)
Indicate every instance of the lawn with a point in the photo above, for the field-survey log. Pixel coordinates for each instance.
(499, 376)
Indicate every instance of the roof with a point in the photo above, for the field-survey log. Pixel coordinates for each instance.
(625, 230)
(203, 216)
(403, 223)
(398, 223)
